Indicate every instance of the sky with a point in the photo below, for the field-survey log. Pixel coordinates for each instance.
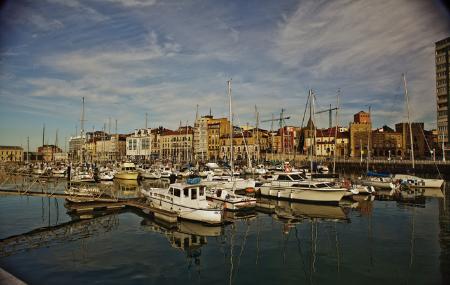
(164, 57)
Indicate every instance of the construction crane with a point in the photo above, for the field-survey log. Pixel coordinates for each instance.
(330, 110)
(280, 120)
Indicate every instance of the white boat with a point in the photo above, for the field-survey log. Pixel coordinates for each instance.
(148, 172)
(286, 179)
(230, 201)
(127, 171)
(379, 182)
(309, 191)
(229, 183)
(417, 182)
(258, 170)
(166, 172)
(59, 172)
(188, 201)
(81, 174)
(106, 175)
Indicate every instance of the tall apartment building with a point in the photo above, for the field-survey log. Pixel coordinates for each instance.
(442, 89)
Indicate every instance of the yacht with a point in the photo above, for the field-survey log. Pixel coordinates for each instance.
(228, 182)
(82, 174)
(306, 190)
(229, 200)
(149, 173)
(417, 182)
(127, 171)
(166, 172)
(188, 201)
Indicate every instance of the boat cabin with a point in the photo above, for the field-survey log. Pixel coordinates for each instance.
(128, 166)
(191, 192)
(289, 177)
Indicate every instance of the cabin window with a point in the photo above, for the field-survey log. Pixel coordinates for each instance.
(194, 193)
(202, 191)
(171, 191)
(296, 177)
(283, 178)
(186, 192)
(186, 243)
(176, 192)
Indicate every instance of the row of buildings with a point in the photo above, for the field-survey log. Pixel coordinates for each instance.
(209, 140)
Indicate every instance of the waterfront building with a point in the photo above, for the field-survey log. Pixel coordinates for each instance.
(141, 145)
(48, 151)
(325, 142)
(11, 153)
(61, 156)
(207, 133)
(245, 146)
(387, 143)
(176, 145)
(443, 90)
(360, 134)
(75, 147)
(420, 140)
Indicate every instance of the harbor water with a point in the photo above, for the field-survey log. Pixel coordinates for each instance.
(366, 241)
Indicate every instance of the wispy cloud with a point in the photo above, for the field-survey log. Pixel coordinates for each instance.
(364, 46)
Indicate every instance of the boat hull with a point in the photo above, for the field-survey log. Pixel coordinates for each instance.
(127, 175)
(314, 196)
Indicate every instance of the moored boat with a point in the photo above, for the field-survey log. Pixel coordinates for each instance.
(127, 171)
(188, 201)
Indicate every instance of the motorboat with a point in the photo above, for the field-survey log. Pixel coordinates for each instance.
(106, 175)
(59, 172)
(286, 179)
(308, 191)
(229, 200)
(81, 175)
(228, 182)
(148, 172)
(418, 182)
(378, 180)
(127, 171)
(188, 201)
(166, 172)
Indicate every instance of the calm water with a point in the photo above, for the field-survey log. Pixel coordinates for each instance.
(367, 242)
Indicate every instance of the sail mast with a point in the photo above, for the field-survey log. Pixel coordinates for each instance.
(336, 131)
(409, 121)
(231, 128)
(310, 131)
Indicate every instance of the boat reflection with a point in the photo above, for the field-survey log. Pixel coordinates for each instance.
(298, 211)
(185, 236)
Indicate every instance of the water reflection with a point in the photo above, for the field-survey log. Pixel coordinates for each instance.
(186, 236)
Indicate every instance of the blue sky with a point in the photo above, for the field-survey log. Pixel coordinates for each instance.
(129, 57)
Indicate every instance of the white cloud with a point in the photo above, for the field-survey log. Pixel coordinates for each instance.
(365, 45)
(135, 3)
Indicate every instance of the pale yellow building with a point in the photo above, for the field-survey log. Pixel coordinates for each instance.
(11, 153)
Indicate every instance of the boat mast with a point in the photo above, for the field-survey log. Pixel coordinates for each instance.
(368, 143)
(82, 131)
(409, 121)
(336, 131)
(231, 129)
(310, 131)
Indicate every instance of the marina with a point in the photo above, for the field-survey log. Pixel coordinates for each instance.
(224, 142)
(314, 242)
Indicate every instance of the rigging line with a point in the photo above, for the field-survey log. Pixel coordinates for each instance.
(429, 149)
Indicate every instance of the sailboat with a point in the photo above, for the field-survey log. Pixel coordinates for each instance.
(230, 182)
(410, 180)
